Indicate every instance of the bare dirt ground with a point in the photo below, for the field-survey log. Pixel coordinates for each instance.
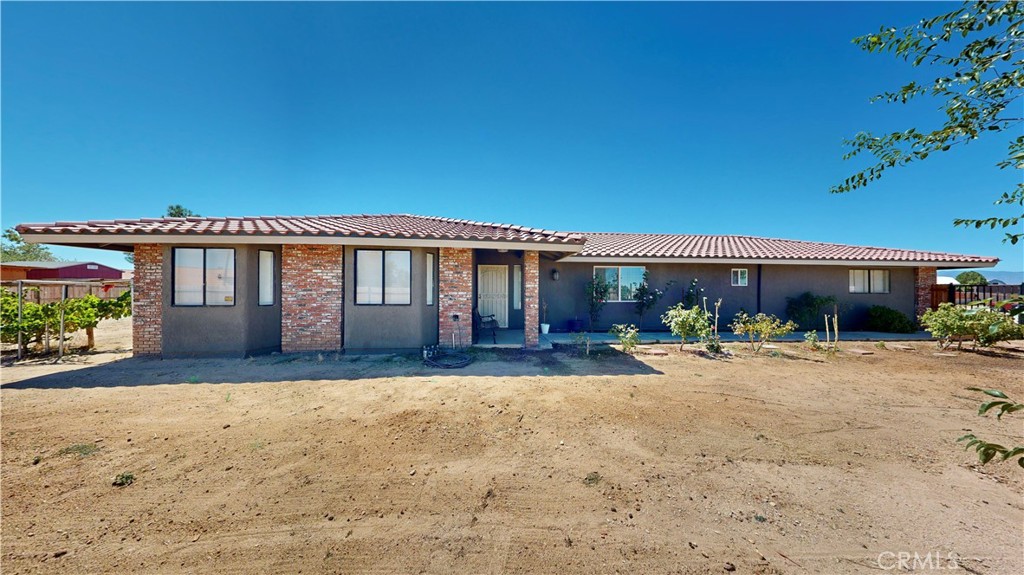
(795, 463)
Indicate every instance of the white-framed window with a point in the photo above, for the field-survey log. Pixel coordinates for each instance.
(266, 278)
(203, 277)
(869, 281)
(623, 281)
(430, 279)
(92, 267)
(517, 286)
(383, 277)
(739, 277)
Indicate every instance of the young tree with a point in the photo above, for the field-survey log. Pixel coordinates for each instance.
(971, 278)
(647, 297)
(14, 249)
(597, 295)
(977, 53)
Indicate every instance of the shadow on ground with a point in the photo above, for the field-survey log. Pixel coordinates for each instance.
(134, 372)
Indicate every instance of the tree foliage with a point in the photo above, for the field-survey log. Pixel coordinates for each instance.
(978, 52)
(14, 249)
(987, 451)
(40, 322)
(971, 278)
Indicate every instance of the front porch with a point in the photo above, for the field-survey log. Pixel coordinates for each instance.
(508, 338)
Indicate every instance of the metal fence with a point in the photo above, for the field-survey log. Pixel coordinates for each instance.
(967, 294)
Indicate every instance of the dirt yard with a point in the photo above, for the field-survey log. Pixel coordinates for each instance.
(788, 462)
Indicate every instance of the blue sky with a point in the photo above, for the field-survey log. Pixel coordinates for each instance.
(685, 118)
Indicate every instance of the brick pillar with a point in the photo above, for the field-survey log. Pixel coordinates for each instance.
(312, 298)
(924, 279)
(455, 295)
(531, 299)
(147, 300)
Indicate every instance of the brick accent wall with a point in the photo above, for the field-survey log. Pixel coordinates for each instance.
(924, 279)
(455, 295)
(147, 300)
(531, 299)
(312, 297)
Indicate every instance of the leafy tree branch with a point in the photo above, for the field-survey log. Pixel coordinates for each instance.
(981, 81)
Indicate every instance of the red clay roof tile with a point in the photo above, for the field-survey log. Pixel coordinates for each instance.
(603, 244)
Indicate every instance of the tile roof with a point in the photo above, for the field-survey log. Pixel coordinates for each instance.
(407, 226)
(363, 225)
(602, 244)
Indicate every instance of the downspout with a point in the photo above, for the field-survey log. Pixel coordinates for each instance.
(758, 288)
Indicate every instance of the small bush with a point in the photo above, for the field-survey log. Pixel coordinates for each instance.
(685, 322)
(808, 309)
(629, 336)
(812, 341)
(123, 480)
(761, 328)
(888, 320)
(985, 327)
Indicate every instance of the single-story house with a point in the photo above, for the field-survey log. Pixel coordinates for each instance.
(32, 270)
(246, 285)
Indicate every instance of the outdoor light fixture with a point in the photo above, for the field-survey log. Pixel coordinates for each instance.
(554, 275)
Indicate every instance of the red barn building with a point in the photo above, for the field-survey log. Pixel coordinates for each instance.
(57, 271)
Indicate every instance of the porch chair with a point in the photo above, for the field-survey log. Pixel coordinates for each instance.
(482, 322)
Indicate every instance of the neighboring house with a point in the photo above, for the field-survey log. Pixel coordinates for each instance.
(236, 286)
(57, 271)
(945, 280)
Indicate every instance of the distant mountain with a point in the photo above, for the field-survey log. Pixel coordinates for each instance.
(1007, 277)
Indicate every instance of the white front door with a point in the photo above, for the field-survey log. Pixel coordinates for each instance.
(492, 292)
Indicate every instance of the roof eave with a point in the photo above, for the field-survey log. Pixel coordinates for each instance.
(958, 264)
(119, 241)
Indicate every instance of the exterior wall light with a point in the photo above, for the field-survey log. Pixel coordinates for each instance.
(554, 275)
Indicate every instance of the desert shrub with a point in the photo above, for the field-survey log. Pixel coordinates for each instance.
(983, 326)
(686, 322)
(888, 320)
(629, 336)
(761, 328)
(124, 480)
(808, 309)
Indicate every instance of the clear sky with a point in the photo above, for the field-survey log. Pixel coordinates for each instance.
(686, 118)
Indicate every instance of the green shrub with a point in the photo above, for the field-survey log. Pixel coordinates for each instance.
(983, 326)
(761, 328)
(809, 310)
(629, 336)
(685, 322)
(888, 320)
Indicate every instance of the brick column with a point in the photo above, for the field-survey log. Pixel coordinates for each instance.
(455, 295)
(147, 300)
(312, 298)
(531, 299)
(924, 279)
